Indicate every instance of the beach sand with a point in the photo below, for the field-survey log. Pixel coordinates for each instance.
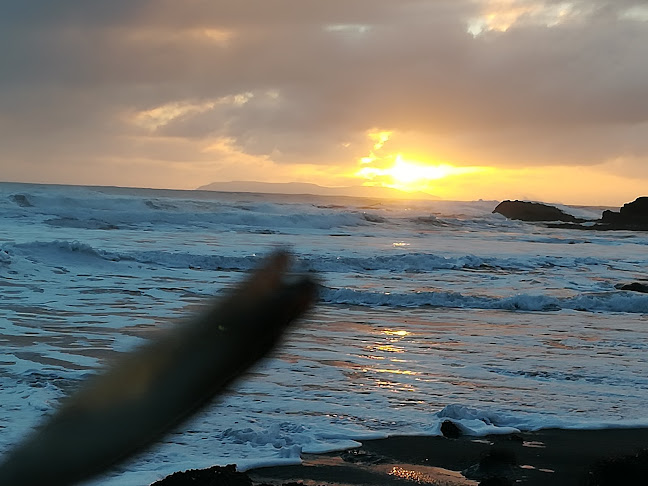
(547, 457)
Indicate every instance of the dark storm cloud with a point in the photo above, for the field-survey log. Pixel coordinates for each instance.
(321, 75)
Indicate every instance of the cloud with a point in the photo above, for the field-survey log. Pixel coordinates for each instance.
(502, 82)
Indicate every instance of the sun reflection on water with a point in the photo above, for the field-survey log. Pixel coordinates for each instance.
(388, 348)
(395, 332)
(392, 371)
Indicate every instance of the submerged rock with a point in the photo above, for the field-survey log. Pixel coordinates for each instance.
(530, 211)
(21, 200)
(634, 286)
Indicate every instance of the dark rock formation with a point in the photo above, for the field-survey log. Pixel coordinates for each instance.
(494, 468)
(214, 476)
(634, 286)
(450, 430)
(633, 215)
(530, 211)
(631, 469)
(496, 481)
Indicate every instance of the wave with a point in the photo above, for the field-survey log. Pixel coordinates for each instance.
(87, 211)
(615, 301)
(414, 263)
(426, 262)
(483, 421)
(52, 248)
(53, 252)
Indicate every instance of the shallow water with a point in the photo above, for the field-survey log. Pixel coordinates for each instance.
(429, 310)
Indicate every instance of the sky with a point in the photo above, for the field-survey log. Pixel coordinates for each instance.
(464, 99)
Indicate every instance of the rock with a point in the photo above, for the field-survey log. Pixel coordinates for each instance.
(631, 215)
(373, 218)
(631, 469)
(357, 456)
(21, 200)
(634, 286)
(450, 430)
(496, 465)
(214, 476)
(496, 481)
(530, 211)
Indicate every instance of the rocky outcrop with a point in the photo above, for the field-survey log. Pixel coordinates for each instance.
(530, 211)
(633, 215)
(634, 287)
(214, 476)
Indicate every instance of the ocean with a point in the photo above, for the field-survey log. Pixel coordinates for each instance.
(429, 310)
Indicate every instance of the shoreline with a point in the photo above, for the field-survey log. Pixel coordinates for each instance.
(550, 456)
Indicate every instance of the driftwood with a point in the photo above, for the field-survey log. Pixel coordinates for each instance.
(149, 391)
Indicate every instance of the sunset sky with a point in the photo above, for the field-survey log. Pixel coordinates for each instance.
(464, 99)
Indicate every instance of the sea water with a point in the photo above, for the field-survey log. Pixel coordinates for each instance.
(430, 310)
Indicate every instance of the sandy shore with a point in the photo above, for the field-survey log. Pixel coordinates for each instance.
(547, 457)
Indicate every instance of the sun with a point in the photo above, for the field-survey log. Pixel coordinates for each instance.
(409, 176)
(405, 173)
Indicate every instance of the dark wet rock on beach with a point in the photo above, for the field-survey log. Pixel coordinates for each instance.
(627, 470)
(496, 481)
(494, 467)
(358, 456)
(450, 430)
(214, 476)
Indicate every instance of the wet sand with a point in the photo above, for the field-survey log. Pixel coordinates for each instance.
(553, 457)
(547, 457)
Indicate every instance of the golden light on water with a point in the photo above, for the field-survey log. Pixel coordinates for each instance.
(389, 349)
(393, 371)
(386, 350)
(396, 332)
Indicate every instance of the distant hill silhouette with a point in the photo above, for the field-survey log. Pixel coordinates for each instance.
(314, 189)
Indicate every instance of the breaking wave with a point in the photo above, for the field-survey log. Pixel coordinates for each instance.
(618, 301)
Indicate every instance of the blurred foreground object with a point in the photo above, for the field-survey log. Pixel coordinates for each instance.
(150, 390)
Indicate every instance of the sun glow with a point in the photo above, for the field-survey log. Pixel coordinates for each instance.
(410, 176)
